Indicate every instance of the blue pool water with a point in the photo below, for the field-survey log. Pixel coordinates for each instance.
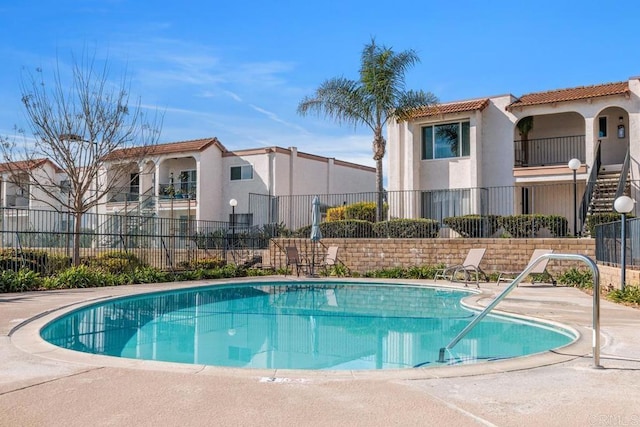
(298, 326)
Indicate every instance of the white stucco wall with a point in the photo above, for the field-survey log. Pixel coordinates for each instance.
(45, 176)
(493, 133)
(496, 167)
(286, 172)
(211, 173)
(347, 179)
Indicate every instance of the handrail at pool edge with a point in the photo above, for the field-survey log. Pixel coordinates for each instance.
(550, 256)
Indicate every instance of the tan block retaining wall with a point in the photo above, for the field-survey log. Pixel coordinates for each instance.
(362, 255)
(610, 276)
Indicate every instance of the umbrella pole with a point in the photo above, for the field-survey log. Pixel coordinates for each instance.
(313, 258)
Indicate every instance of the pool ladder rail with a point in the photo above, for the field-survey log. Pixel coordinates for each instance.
(550, 256)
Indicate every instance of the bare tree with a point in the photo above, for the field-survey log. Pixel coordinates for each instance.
(75, 124)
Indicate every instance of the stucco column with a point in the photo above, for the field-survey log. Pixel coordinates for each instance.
(330, 172)
(589, 141)
(411, 169)
(293, 160)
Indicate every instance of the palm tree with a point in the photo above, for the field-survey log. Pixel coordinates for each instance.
(379, 95)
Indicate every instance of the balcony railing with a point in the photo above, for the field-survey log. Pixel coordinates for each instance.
(178, 190)
(549, 151)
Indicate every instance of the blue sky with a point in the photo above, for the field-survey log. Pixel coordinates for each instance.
(237, 70)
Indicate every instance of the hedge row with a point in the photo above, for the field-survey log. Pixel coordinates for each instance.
(396, 228)
(517, 226)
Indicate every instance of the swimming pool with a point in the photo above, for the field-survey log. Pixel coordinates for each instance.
(299, 325)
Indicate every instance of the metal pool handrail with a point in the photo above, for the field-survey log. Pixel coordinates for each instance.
(561, 257)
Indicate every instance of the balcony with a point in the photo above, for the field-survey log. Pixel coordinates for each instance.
(549, 151)
(180, 190)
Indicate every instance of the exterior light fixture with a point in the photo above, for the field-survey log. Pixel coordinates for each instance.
(623, 205)
(233, 203)
(621, 131)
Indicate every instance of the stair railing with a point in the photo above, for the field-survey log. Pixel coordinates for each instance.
(591, 184)
(624, 175)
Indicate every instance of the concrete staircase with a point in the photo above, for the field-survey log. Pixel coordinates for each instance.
(604, 193)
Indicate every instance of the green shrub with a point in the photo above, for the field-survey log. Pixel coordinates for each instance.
(251, 272)
(148, 274)
(578, 278)
(16, 260)
(424, 271)
(407, 228)
(57, 263)
(336, 214)
(630, 294)
(20, 281)
(365, 211)
(203, 263)
(116, 262)
(81, 276)
(557, 225)
(520, 226)
(338, 229)
(387, 273)
(415, 272)
(347, 228)
(473, 225)
(336, 270)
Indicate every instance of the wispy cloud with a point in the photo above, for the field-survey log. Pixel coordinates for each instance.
(275, 118)
(204, 91)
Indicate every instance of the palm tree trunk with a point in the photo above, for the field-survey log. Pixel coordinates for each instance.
(378, 154)
(379, 192)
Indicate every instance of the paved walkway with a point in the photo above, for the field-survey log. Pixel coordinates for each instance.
(44, 387)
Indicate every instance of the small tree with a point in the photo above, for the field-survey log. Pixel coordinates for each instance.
(525, 125)
(76, 124)
(379, 95)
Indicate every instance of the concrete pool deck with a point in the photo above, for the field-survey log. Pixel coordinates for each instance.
(44, 386)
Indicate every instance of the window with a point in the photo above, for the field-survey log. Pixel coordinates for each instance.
(241, 220)
(188, 180)
(65, 186)
(526, 201)
(446, 141)
(134, 186)
(602, 127)
(439, 204)
(239, 173)
(187, 224)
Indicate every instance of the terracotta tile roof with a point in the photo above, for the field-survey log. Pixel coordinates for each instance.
(453, 107)
(571, 94)
(168, 148)
(26, 165)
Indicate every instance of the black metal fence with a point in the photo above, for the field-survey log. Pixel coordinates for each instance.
(609, 243)
(165, 243)
(170, 243)
(294, 212)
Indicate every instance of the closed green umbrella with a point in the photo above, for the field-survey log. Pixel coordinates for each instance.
(316, 235)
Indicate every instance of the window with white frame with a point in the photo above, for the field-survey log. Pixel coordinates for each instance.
(446, 140)
(241, 173)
